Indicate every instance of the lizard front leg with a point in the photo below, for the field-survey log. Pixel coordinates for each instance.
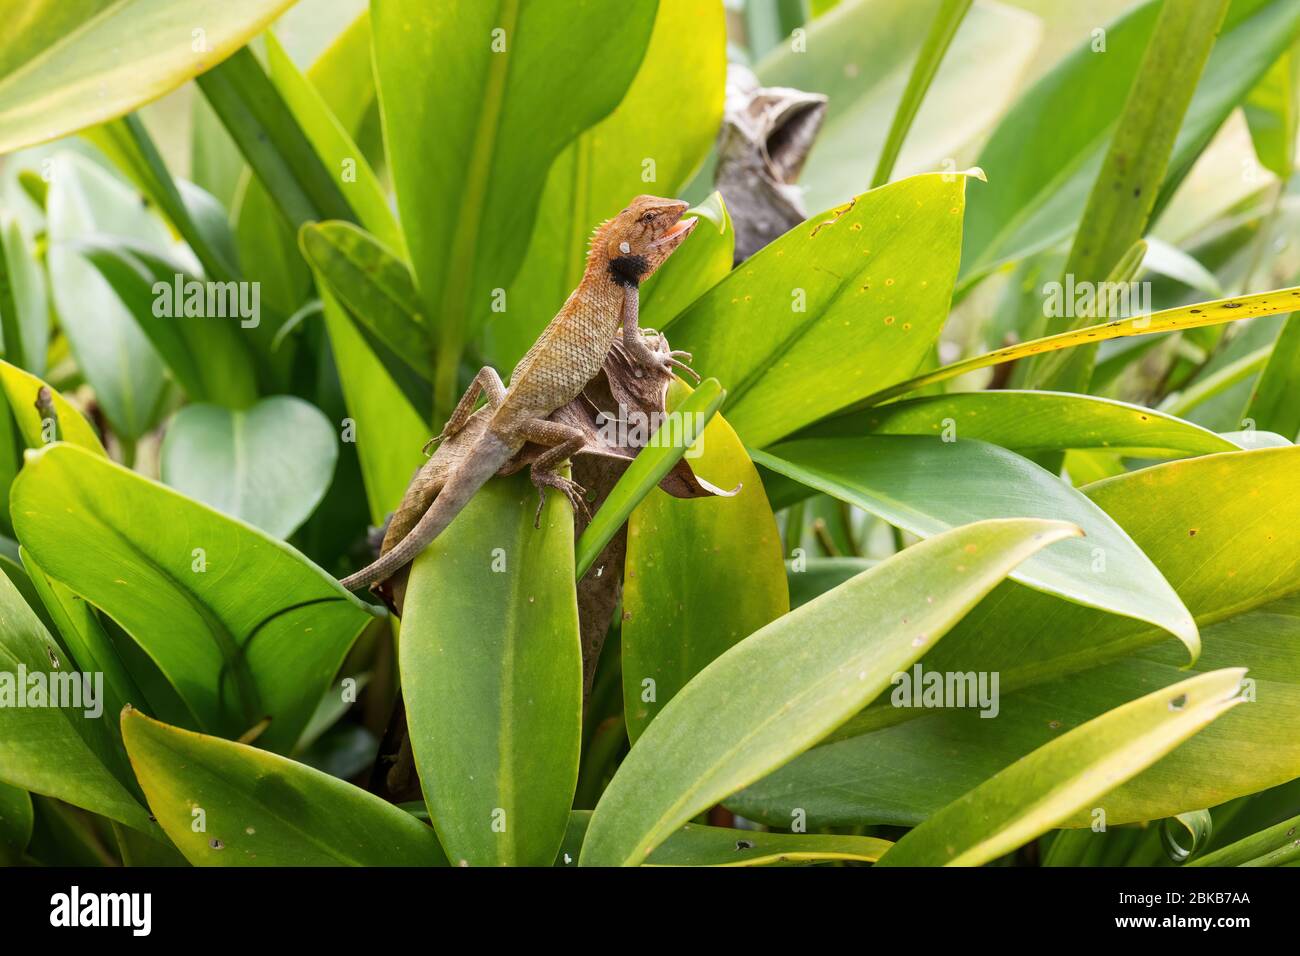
(486, 381)
(563, 442)
(641, 353)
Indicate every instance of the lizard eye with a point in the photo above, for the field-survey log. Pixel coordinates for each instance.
(648, 217)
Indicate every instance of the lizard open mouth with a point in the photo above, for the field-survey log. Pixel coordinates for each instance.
(678, 231)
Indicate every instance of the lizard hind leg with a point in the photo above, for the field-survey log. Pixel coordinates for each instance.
(486, 382)
(564, 442)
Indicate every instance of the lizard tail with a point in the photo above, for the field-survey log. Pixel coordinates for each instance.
(487, 457)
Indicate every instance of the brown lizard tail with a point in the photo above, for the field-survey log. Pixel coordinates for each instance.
(487, 457)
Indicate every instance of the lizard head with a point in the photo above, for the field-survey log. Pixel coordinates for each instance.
(637, 241)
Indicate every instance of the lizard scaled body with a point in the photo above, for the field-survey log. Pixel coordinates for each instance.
(566, 356)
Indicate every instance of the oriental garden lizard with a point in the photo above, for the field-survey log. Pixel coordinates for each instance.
(567, 355)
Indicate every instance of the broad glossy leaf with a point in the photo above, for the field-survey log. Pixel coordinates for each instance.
(21, 389)
(260, 809)
(696, 845)
(926, 486)
(1072, 773)
(492, 677)
(470, 142)
(24, 311)
(1062, 664)
(700, 574)
(111, 351)
(69, 66)
(1032, 421)
(641, 147)
(269, 465)
(861, 55)
(843, 302)
(1044, 155)
(56, 751)
(666, 447)
(787, 686)
(243, 626)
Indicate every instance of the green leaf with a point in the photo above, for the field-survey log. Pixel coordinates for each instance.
(470, 141)
(376, 287)
(1271, 113)
(191, 211)
(490, 658)
(1194, 316)
(112, 353)
(808, 578)
(1030, 421)
(269, 465)
(822, 316)
(640, 147)
(389, 430)
(90, 646)
(56, 751)
(926, 486)
(15, 823)
(1272, 404)
(943, 28)
(1044, 155)
(1168, 260)
(274, 144)
(1268, 847)
(243, 626)
(260, 809)
(861, 55)
(787, 686)
(684, 604)
(1062, 664)
(1071, 773)
(201, 346)
(695, 845)
(66, 67)
(24, 311)
(666, 447)
(349, 167)
(1124, 194)
(22, 389)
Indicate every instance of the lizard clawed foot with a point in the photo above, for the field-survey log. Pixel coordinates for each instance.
(570, 489)
(648, 358)
(678, 359)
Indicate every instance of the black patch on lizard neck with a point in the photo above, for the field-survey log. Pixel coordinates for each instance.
(628, 270)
